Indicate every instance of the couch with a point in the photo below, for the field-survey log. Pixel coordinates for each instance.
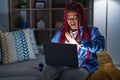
(31, 69)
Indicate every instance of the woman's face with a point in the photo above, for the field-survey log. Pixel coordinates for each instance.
(72, 19)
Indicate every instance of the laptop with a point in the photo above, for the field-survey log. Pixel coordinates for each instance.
(57, 54)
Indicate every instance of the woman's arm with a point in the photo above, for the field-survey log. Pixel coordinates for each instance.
(96, 44)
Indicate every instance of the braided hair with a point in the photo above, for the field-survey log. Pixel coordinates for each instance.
(75, 7)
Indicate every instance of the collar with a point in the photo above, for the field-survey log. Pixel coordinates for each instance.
(74, 33)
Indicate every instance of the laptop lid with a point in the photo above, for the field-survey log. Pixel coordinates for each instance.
(57, 54)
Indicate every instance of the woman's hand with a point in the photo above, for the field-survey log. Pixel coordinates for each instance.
(72, 40)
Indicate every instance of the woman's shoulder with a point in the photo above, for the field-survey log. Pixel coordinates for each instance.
(92, 27)
(58, 30)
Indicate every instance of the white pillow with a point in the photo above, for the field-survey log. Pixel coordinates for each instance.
(33, 42)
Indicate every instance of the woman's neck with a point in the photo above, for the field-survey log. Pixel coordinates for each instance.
(73, 30)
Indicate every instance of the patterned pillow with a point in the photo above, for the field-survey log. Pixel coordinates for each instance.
(16, 46)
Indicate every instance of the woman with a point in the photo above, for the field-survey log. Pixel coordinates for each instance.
(88, 39)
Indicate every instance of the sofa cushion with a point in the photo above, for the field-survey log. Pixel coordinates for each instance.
(26, 68)
(21, 78)
(16, 46)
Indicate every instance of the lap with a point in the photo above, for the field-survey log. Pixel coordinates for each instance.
(74, 74)
(51, 73)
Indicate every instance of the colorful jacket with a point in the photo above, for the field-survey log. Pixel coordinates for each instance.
(95, 45)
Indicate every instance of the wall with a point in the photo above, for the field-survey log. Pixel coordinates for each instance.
(4, 15)
(100, 15)
(106, 17)
(113, 42)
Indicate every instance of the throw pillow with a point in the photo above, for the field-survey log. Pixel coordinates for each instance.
(33, 42)
(104, 58)
(16, 46)
(107, 70)
(0, 54)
